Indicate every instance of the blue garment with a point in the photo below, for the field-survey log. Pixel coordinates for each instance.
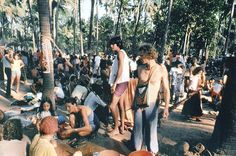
(93, 121)
(145, 128)
(92, 118)
(8, 74)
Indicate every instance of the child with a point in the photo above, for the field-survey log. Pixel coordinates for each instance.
(45, 109)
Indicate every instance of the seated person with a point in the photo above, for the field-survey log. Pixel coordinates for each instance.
(34, 72)
(80, 91)
(58, 92)
(210, 83)
(216, 91)
(45, 110)
(82, 120)
(13, 138)
(43, 143)
(93, 99)
(37, 85)
(73, 81)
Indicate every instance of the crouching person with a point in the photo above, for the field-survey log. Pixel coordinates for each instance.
(82, 121)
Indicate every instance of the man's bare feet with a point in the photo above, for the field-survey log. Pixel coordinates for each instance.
(113, 133)
(122, 130)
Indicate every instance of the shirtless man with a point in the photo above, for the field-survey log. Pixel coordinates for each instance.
(151, 76)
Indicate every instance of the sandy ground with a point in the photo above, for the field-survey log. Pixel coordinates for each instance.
(172, 132)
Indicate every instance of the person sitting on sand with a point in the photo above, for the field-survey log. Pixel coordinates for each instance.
(43, 143)
(82, 120)
(13, 138)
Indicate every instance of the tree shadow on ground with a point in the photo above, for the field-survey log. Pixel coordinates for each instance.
(102, 142)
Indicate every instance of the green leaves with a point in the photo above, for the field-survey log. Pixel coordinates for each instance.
(202, 17)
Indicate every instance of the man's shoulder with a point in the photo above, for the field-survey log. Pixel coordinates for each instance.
(160, 67)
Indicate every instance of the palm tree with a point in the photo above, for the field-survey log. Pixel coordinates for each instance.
(166, 31)
(55, 21)
(91, 24)
(75, 22)
(35, 38)
(48, 74)
(137, 23)
(119, 16)
(80, 29)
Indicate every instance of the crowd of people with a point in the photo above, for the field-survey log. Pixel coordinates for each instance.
(93, 88)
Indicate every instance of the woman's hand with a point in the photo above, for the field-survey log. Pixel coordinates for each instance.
(113, 88)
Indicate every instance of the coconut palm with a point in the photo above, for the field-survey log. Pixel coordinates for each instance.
(48, 74)
(91, 24)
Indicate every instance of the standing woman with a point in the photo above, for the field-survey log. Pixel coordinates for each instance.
(16, 70)
(192, 107)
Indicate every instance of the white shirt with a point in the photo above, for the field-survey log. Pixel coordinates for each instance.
(177, 75)
(125, 72)
(80, 92)
(133, 65)
(194, 82)
(217, 87)
(44, 114)
(93, 101)
(97, 61)
(59, 92)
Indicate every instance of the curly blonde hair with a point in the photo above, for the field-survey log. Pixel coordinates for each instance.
(147, 51)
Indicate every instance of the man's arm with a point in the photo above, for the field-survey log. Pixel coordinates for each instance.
(10, 59)
(120, 66)
(166, 90)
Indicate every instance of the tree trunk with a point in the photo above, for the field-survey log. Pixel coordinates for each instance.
(35, 41)
(224, 134)
(136, 25)
(91, 24)
(225, 52)
(188, 42)
(80, 29)
(166, 32)
(4, 24)
(185, 40)
(97, 31)
(119, 16)
(48, 74)
(75, 23)
(55, 21)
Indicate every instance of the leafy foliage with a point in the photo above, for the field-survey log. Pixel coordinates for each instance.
(206, 20)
